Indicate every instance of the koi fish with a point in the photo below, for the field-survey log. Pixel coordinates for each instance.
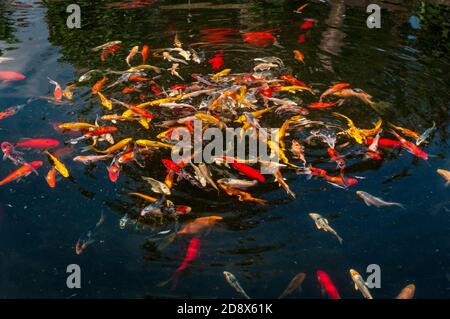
(10, 153)
(279, 178)
(407, 292)
(105, 101)
(144, 53)
(152, 144)
(134, 50)
(359, 135)
(116, 147)
(425, 135)
(58, 92)
(301, 38)
(322, 223)
(113, 171)
(59, 166)
(445, 174)
(76, 126)
(300, 9)
(358, 93)
(247, 170)
(237, 183)
(376, 201)
(218, 75)
(299, 56)
(106, 45)
(231, 279)
(321, 105)
(294, 284)
(340, 181)
(410, 147)
(91, 158)
(157, 186)
(333, 89)
(199, 225)
(67, 92)
(98, 85)
(191, 254)
(307, 24)
(10, 111)
(87, 238)
(217, 61)
(406, 131)
(51, 177)
(153, 208)
(109, 50)
(298, 151)
(259, 39)
(360, 284)
(327, 285)
(44, 143)
(11, 76)
(242, 196)
(145, 197)
(23, 171)
(384, 142)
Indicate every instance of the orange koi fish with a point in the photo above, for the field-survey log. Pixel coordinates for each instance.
(299, 56)
(23, 171)
(334, 88)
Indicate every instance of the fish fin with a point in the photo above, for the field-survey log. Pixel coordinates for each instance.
(339, 239)
(356, 287)
(400, 205)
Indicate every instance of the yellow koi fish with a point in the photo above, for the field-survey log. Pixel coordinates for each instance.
(60, 167)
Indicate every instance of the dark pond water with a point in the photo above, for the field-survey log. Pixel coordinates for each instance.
(404, 66)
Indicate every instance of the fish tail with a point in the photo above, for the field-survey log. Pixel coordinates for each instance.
(339, 239)
(400, 205)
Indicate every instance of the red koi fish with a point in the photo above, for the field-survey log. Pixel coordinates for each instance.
(218, 35)
(246, 170)
(23, 171)
(171, 166)
(410, 147)
(384, 142)
(144, 53)
(43, 143)
(341, 180)
(317, 171)
(178, 87)
(217, 61)
(113, 171)
(259, 39)
(301, 38)
(10, 111)
(327, 285)
(321, 105)
(307, 24)
(11, 76)
(191, 254)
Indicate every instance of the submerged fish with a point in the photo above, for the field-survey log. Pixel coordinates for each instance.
(87, 238)
(231, 279)
(376, 201)
(445, 174)
(322, 223)
(294, 284)
(360, 284)
(407, 292)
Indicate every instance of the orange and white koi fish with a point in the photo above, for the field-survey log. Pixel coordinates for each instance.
(58, 92)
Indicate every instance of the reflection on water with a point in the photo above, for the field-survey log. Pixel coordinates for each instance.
(404, 66)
